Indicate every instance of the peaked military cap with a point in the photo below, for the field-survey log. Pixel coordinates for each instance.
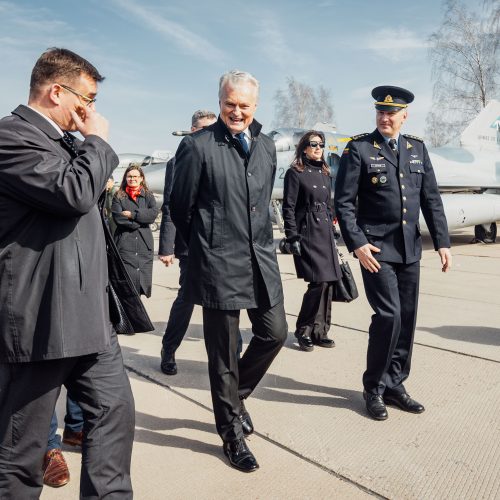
(389, 98)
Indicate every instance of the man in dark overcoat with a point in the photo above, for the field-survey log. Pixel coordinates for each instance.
(54, 316)
(223, 181)
(390, 177)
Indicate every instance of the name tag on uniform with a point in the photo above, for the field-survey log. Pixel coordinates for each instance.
(418, 162)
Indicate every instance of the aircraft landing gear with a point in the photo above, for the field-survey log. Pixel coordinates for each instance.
(485, 233)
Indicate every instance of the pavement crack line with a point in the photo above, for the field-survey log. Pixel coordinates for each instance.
(262, 436)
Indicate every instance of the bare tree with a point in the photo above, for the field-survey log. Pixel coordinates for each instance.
(465, 68)
(302, 106)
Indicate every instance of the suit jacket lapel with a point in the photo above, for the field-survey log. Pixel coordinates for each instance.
(385, 150)
(405, 149)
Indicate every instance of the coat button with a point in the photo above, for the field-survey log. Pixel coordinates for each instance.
(404, 198)
(402, 186)
(253, 209)
(400, 175)
(404, 210)
(404, 222)
(249, 174)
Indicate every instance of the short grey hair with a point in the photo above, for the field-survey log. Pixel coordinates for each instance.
(200, 114)
(235, 78)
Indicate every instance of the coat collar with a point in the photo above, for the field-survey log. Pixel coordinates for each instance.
(38, 121)
(222, 134)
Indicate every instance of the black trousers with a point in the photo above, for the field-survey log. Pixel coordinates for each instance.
(28, 394)
(393, 296)
(180, 314)
(232, 379)
(316, 311)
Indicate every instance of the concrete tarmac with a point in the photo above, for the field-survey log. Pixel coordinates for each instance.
(313, 438)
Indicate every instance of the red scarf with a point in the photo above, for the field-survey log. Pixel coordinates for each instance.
(133, 192)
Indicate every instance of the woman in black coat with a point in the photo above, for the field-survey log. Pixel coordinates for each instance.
(307, 213)
(134, 209)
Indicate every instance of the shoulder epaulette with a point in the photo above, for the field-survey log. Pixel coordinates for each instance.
(408, 136)
(359, 136)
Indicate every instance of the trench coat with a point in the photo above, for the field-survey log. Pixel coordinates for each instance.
(220, 205)
(53, 266)
(307, 214)
(134, 238)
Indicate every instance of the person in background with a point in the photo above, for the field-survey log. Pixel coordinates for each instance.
(55, 469)
(134, 209)
(307, 213)
(385, 178)
(172, 245)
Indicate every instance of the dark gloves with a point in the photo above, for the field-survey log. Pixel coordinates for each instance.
(293, 245)
(295, 248)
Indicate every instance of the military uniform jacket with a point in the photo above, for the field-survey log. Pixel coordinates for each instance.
(220, 205)
(307, 214)
(53, 267)
(389, 195)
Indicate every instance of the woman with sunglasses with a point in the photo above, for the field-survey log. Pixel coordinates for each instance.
(307, 212)
(134, 209)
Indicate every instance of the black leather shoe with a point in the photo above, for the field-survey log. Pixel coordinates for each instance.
(324, 342)
(403, 401)
(375, 406)
(240, 457)
(305, 342)
(244, 418)
(168, 365)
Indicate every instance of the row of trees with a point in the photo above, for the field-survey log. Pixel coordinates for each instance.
(465, 67)
(465, 56)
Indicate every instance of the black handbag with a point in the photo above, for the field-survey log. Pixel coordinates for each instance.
(344, 289)
(126, 310)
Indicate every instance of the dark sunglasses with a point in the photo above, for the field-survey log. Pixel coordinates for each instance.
(315, 144)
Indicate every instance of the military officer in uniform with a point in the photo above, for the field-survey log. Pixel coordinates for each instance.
(385, 178)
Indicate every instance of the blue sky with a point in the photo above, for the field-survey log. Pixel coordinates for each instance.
(162, 60)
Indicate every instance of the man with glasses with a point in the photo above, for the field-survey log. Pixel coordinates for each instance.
(384, 180)
(220, 205)
(54, 316)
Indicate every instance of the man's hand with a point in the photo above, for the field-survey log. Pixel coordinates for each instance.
(367, 260)
(92, 123)
(445, 255)
(168, 260)
(127, 214)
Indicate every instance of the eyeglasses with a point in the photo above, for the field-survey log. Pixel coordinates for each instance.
(86, 99)
(133, 177)
(315, 144)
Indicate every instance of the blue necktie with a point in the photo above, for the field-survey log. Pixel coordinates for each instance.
(243, 142)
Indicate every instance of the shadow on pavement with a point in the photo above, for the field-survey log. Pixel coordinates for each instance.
(476, 334)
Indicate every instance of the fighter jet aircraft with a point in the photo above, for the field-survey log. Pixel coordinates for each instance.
(468, 173)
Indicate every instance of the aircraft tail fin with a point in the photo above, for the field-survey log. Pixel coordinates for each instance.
(484, 130)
